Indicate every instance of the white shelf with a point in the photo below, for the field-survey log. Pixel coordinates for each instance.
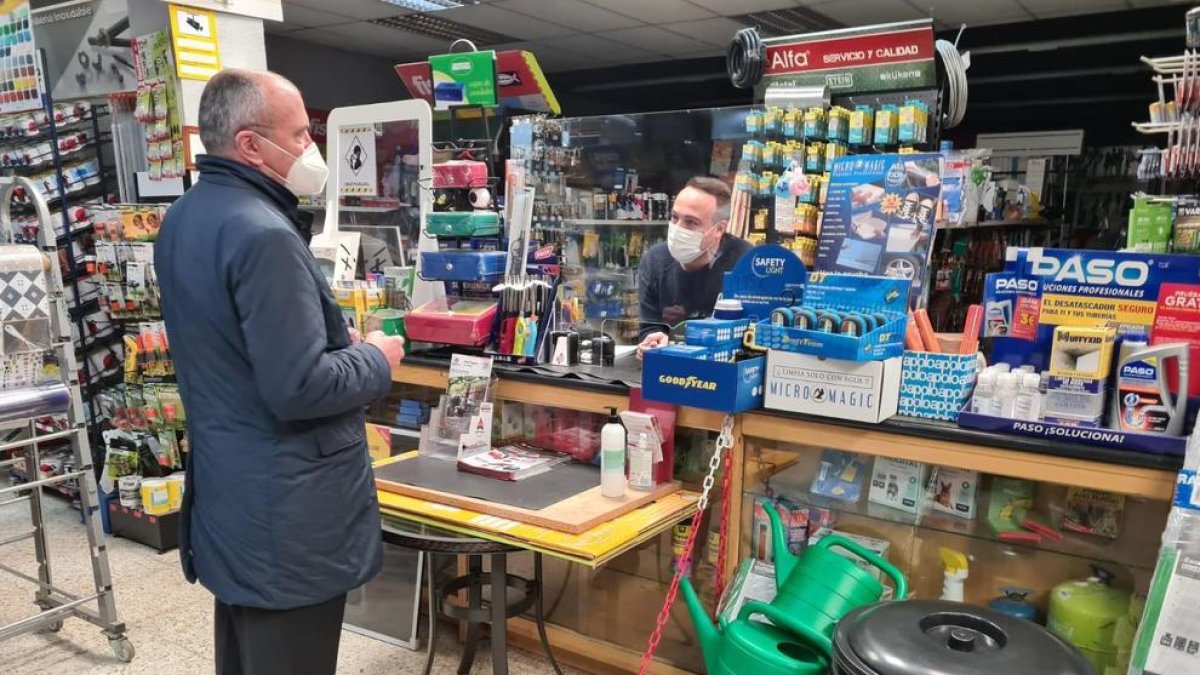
(1158, 127)
(616, 223)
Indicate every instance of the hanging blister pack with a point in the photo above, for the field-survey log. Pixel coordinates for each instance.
(1012, 302)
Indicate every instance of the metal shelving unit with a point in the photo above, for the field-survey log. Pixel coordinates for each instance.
(62, 399)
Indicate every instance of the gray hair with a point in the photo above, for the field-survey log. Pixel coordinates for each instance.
(232, 101)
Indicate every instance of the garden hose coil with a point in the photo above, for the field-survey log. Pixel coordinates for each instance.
(745, 58)
(955, 66)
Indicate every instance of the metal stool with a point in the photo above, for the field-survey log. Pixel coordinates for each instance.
(431, 542)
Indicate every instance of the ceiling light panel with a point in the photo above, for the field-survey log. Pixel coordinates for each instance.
(424, 5)
(444, 29)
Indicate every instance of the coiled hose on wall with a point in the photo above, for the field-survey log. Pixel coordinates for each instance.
(745, 57)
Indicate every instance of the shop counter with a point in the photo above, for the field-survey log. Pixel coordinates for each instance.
(602, 609)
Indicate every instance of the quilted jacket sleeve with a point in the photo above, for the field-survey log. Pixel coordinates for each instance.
(283, 325)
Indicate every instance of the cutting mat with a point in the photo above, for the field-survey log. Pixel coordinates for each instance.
(575, 515)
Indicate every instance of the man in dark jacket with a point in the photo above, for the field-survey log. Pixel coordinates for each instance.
(280, 518)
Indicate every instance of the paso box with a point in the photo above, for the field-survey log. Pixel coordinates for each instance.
(865, 391)
(710, 385)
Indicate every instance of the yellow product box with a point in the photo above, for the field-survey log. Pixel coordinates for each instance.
(1082, 351)
(379, 441)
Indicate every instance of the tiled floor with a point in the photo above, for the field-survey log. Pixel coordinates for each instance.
(169, 620)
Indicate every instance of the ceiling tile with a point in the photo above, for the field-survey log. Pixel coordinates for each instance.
(655, 40)
(553, 60)
(1046, 9)
(716, 32)
(597, 48)
(860, 12)
(402, 40)
(312, 18)
(733, 7)
(505, 21)
(974, 12)
(656, 11)
(280, 27)
(358, 9)
(570, 13)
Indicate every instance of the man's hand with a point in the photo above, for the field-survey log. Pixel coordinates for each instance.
(392, 346)
(355, 336)
(652, 341)
(673, 314)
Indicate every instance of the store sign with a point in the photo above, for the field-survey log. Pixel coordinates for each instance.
(318, 125)
(194, 39)
(520, 81)
(357, 175)
(858, 60)
(467, 78)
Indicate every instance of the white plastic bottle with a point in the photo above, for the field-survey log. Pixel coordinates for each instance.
(612, 457)
(1028, 405)
(985, 392)
(1006, 395)
(641, 464)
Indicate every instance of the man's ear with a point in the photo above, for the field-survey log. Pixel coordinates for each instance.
(248, 146)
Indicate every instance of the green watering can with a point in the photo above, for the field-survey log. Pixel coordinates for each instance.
(744, 646)
(820, 587)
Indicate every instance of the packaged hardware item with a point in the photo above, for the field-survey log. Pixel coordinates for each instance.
(840, 476)
(953, 491)
(1095, 512)
(1082, 352)
(887, 125)
(914, 120)
(878, 546)
(862, 126)
(1186, 218)
(838, 124)
(898, 483)
(795, 524)
(1150, 228)
(1012, 303)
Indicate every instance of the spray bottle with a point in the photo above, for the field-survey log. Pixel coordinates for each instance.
(1143, 401)
(612, 457)
(955, 574)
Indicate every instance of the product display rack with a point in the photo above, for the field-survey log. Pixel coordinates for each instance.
(767, 444)
(56, 604)
(73, 236)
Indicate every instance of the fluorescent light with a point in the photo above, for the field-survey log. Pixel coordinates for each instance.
(424, 5)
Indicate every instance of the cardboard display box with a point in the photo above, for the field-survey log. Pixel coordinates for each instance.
(864, 391)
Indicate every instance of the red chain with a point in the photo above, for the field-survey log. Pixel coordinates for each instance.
(681, 566)
(684, 564)
(726, 482)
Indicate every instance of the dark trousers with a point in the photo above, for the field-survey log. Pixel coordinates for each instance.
(301, 641)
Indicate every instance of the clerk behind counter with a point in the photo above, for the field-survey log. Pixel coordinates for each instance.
(681, 279)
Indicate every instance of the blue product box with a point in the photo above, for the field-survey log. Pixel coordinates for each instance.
(686, 351)
(715, 332)
(462, 265)
(710, 385)
(845, 292)
(1079, 385)
(936, 386)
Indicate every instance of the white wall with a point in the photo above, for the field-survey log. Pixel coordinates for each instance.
(331, 78)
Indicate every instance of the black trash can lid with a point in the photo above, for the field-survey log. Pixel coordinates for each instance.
(933, 637)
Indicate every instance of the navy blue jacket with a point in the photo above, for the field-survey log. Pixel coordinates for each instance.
(280, 509)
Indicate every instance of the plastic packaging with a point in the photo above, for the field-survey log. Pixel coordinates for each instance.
(1174, 591)
(641, 464)
(1143, 400)
(612, 457)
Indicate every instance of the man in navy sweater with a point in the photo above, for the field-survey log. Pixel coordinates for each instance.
(280, 518)
(681, 278)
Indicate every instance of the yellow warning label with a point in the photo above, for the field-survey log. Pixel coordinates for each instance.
(1071, 310)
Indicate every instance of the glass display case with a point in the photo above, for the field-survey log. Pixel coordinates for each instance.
(604, 191)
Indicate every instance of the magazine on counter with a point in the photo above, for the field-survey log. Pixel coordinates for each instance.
(511, 462)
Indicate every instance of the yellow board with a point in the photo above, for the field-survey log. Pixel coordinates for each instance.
(194, 39)
(592, 548)
(379, 441)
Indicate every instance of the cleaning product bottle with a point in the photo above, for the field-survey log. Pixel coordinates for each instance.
(985, 391)
(612, 457)
(641, 464)
(955, 574)
(1004, 403)
(1143, 401)
(1028, 405)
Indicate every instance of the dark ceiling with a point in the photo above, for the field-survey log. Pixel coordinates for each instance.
(1077, 72)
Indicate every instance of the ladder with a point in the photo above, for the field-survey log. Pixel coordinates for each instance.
(96, 605)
